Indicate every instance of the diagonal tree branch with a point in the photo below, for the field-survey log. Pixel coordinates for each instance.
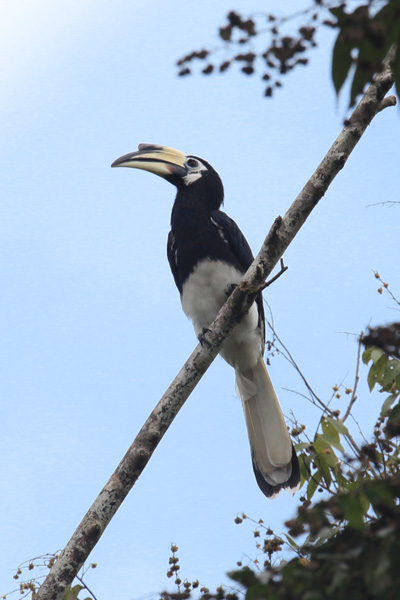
(278, 239)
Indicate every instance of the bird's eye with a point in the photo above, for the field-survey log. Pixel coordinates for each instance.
(192, 163)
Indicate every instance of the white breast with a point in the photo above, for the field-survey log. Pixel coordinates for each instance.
(203, 294)
(205, 291)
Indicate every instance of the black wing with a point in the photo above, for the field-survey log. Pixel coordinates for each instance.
(233, 237)
(241, 250)
(171, 254)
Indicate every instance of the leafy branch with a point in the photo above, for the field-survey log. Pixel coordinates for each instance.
(350, 539)
(29, 586)
(273, 46)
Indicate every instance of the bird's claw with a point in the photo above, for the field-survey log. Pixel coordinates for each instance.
(202, 339)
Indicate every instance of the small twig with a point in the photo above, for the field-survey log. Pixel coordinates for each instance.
(390, 202)
(85, 586)
(386, 286)
(356, 380)
(386, 102)
(357, 450)
(301, 395)
(314, 398)
(359, 428)
(350, 440)
(382, 455)
(281, 272)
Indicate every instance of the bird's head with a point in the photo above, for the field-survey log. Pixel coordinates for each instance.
(190, 174)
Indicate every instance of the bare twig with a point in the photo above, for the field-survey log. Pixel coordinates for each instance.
(386, 102)
(359, 429)
(301, 396)
(356, 380)
(273, 279)
(391, 203)
(385, 286)
(277, 241)
(317, 401)
(313, 396)
(85, 586)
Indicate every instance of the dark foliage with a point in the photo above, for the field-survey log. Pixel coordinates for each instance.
(273, 46)
(349, 542)
(386, 338)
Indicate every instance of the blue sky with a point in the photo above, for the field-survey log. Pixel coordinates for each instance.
(92, 329)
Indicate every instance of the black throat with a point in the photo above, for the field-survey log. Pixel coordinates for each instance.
(195, 237)
(190, 215)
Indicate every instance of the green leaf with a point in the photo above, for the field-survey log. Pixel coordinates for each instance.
(323, 446)
(332, 441)
(341, 62)
(259, 591)
(341, 427)
(365, 503)
(366, 355)
(245, 576)
(387, 404)
(372, 353)
(376, 354)
(338, 12)
(313, 485)
(305, 462)
(301, 446)
(395, 414)
(372, 55)
(342, 481)
(325, 534)
(323, 452)
(73, 592)
(390, 375)
(291, 542)
(361, 76)
(387, 20)
(376, 35)
(376, 371)
(380, 495)
(353, 510)
(331, 432)
(328, 428)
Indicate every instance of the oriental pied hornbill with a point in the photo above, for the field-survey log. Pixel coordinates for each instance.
(208, 255)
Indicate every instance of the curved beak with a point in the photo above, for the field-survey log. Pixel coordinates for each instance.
(160, 160)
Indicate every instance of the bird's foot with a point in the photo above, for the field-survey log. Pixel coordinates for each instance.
(202, 339)
(229, 289)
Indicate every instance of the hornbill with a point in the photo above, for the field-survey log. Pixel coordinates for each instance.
(208, 255)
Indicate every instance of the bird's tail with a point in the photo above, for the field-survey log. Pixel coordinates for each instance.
(275, 462)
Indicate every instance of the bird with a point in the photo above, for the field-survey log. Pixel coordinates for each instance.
(208, 256)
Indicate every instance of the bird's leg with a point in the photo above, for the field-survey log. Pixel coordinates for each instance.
(202, 339)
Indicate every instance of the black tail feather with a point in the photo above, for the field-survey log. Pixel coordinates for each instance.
(271, 491)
